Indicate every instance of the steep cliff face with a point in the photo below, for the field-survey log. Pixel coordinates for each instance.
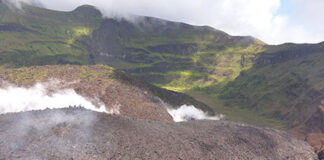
(82, 134)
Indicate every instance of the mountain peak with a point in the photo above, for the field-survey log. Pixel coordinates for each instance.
(87, 10)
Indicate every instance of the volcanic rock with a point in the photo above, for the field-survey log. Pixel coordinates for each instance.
(82, 134)
(312, 131)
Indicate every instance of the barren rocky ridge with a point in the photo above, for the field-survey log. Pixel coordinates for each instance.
(82, 134)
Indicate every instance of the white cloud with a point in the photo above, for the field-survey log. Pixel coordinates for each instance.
(259, 18)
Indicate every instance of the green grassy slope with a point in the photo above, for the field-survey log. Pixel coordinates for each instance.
(173, 55)
(285, 84)
(35, 36)
(239, 76)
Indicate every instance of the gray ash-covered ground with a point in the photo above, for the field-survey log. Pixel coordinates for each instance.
(82, 134)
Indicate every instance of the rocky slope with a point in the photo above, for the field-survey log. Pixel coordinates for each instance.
(82, 134)
(119, 93)
(278, 86)
(312, 130)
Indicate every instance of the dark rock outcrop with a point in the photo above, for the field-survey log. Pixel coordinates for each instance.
(81, 134)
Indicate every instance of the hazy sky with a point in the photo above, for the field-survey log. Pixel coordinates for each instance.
(272, 21)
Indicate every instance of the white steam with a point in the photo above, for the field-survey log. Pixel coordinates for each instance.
(41, 96)
(185, 113)
(55, 123)
(19, 99)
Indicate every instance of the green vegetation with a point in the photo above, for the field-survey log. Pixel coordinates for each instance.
(242, 77)
(237, 113)
(196, 65)
(286, 88)
(37, 36)
(170, 55)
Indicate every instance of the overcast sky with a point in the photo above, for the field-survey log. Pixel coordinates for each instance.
(272, 21)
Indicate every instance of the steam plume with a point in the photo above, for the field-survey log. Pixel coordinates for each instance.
(185, 113)
(19, 99)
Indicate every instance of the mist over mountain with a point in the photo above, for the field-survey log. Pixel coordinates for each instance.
(158, 70)
(272, 21)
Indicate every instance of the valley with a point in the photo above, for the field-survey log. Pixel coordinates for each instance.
(147, 63)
